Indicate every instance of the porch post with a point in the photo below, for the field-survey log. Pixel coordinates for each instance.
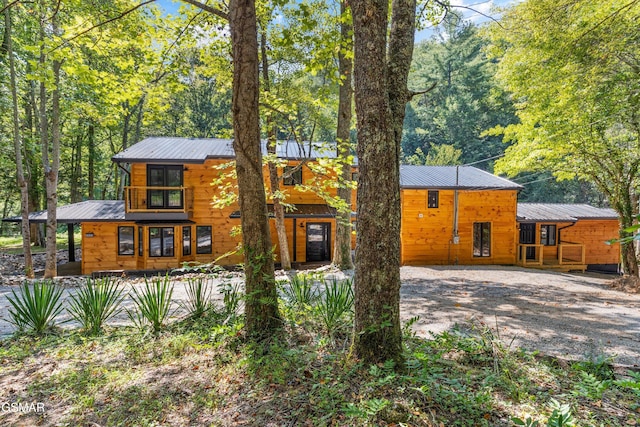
(72, 243)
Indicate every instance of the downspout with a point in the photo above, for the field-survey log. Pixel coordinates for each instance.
(560, 238)
(128, 173)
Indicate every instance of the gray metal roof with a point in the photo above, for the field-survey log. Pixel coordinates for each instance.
(450, 177)
(87, 211)
(535, 212)
(197, 150)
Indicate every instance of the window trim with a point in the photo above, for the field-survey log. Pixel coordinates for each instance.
(547, 241)
(133, 240)
(162, 247)
(433, 202)
(482, 225)
(294, 178)
(199, 250)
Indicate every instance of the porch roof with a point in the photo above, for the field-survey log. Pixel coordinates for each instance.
(87, 211)
(558, 212)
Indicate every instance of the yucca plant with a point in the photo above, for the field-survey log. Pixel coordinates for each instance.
(231, 297)
(198, 297)
(300, 292)
(153, 303)
(336, 301)
(34, 310)
(96, 303)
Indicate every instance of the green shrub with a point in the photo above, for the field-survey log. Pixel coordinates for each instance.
(153, 303)
(300, 291)
(336, 301)
(35, 310)
(231, 297)
(96, 303)
(198, 297)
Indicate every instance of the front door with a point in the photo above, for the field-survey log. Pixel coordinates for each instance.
(528, 237)
(318, 241)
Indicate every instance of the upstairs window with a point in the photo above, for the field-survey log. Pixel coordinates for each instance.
(164, 176)
(292, 175)
(548, 234)
(433, 198)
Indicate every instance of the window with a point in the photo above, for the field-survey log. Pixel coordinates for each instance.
(161, 241)
(548, 235)
(292, 175)
(203, 239)
(186, 240)
(164, 176)
(354, 176)
(432, 198)
(125, 240)
(481, 239)
(140, 237)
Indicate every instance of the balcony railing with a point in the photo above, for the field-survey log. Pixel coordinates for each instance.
(569, 254)
(158, 199)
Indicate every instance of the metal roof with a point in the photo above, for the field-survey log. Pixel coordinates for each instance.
(197, 150)
(535, 212)
(451, 177)
(87, 211)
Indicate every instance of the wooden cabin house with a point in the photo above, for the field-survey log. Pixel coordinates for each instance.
(567, 237)
(457, 215)
(450, 214)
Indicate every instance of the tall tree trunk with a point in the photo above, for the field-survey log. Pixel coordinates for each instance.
(91, 169)
(76, 173)
(274, 180)
(261, 306)
(342, 246)
(17, 145)
(380, 89)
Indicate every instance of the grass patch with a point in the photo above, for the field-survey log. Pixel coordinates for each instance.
(13, 244)
(202, 371)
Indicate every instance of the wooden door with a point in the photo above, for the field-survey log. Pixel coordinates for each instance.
(528, 237)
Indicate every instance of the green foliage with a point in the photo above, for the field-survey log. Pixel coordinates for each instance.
(35, 307)
(199, 294)
(300, 291)
(95, 303)
(153, 304)
(335, 303)
(231, 297)
(438, 155)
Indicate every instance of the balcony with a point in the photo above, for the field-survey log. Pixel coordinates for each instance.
(158, 202)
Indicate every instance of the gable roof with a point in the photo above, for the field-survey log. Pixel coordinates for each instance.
(535, 212)
(452, 177)
(87, 211)
(197, 150)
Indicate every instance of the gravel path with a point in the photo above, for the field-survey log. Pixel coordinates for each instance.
(571, 316)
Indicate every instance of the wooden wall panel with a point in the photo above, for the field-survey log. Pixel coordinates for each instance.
(594, 234)
(427, 233)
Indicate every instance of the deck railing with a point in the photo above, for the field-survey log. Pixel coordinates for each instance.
(145, 199)
(568, 254)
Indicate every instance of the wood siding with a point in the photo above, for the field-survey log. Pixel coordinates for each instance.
(427, 233)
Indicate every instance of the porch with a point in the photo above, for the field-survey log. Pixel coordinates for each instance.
(570, 257)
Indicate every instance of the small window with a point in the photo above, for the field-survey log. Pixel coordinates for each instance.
(161, 241)
(481, 239)
(432, 199)
(186, 240)
(355, 176)
(140, 237)
(292, 175)
(125, 240)
(548, 235)
(203, 239)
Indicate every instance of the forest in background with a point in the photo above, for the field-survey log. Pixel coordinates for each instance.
(146, 74)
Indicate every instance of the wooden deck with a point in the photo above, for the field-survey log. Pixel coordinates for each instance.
(571, 257)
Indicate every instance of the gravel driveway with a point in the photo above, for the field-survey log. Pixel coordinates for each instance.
(571, 316)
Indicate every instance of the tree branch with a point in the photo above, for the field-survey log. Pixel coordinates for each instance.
(411, 94)
(10, 5)
(208, 8)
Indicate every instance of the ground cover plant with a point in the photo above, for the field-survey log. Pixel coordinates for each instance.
(202, 371)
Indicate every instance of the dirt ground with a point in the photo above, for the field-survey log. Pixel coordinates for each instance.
(571, 316)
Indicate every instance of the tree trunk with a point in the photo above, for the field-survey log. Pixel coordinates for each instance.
(91, 169)
(261, 305)
(17, 145)
(76, 173)
(342, 246)
(274, 180)
(377, 334)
